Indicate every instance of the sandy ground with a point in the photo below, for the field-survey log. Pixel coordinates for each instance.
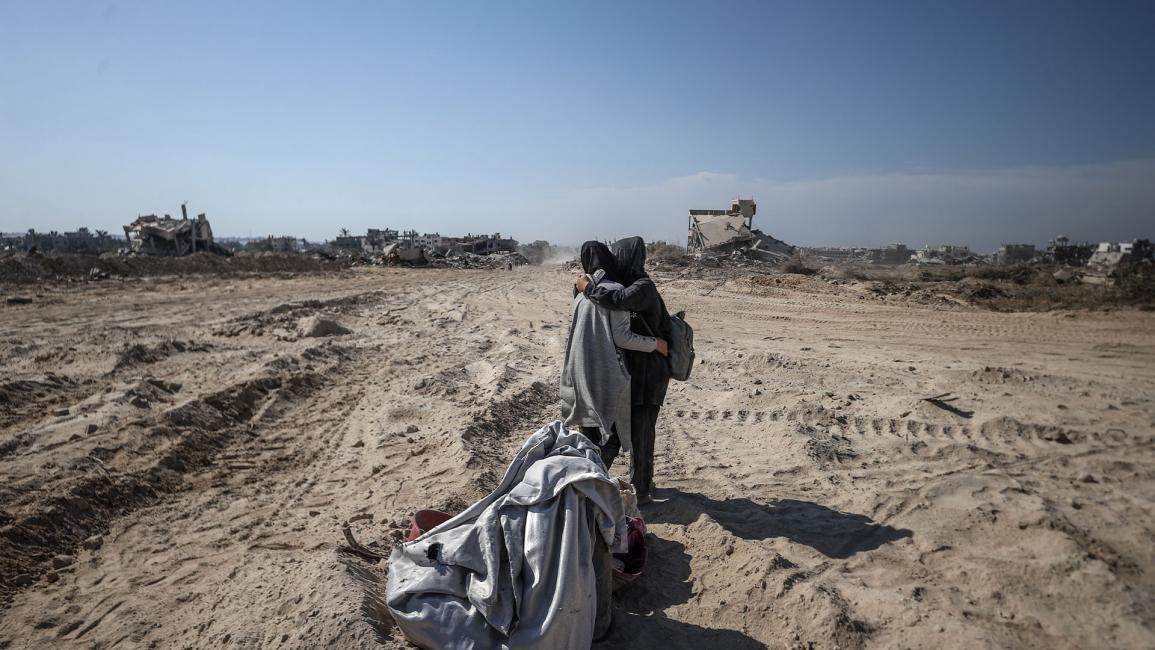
(176, 460)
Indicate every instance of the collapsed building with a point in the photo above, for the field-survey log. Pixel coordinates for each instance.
(1061, 250)
(1014, 253)
(381, 241)
(153, 235)
(1109, 255)
(948, 254)
(727, 231)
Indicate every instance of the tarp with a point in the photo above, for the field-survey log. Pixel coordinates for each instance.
(514, 570)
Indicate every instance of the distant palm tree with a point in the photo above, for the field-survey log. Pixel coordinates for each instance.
(344, 232)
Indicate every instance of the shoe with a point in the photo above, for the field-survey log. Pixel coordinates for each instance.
(645, 500)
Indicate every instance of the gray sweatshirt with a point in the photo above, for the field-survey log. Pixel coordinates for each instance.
(595, 386)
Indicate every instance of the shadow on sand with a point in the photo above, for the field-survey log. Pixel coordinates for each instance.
(830, 532)
(639, 621)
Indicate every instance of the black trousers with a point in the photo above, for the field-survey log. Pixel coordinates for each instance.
(643, 423)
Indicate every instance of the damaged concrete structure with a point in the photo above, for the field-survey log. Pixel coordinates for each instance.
(723, 231)
(1109, 255)
(945, 254)
(1061, 250)
(153, 235)
(1014, 253)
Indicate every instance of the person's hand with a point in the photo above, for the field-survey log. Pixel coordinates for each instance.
(583, 281)
(663, 348)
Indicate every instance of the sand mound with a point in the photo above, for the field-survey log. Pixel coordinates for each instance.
(317, 327)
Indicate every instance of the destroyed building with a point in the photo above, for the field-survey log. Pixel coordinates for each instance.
(153, 235)
(1061, 250)
(890, 254)
(378, 241)
(947, 254)
(485, 244)
(723, 231)
(1109, 255)
(1014, 253)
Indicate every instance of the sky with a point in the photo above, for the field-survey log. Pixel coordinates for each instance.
(850, 123)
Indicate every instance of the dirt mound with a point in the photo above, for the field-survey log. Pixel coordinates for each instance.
(486, 439)
(142, 353)
(25, 397)
(20, 268)
(82, 507)
(317, 327)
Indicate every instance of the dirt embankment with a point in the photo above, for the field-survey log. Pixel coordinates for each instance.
(21, 268)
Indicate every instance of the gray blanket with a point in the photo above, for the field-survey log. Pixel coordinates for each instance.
(595, 386)
(514, 569)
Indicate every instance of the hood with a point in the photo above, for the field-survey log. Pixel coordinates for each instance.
(596, 255)
(631, 255)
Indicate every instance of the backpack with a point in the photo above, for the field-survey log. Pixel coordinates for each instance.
(681, 347)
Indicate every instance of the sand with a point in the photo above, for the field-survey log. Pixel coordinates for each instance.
(177, 457)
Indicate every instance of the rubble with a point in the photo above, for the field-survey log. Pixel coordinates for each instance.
(503, 260)
(725, 232)
(946, 254)
(153, 235)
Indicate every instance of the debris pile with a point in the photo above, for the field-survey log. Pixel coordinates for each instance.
(165, 236)
(721, 233)
(502, 260)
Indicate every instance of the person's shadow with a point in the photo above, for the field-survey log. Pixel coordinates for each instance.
(640, 621)
(639, 618)
(835, 534)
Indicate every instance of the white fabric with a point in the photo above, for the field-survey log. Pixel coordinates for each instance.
(514, 570)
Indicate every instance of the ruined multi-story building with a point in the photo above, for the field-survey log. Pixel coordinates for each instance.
(153, 235)
(1014, 253)
(721, 231)
(944, 254)
(1061, 250)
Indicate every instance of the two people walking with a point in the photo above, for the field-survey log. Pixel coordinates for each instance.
(615, 374)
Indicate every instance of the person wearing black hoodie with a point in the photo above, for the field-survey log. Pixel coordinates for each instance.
(649, 371)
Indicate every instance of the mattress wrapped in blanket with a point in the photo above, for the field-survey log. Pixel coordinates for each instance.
(514, 569)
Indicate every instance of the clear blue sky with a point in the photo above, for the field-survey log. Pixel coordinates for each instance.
(850, 122)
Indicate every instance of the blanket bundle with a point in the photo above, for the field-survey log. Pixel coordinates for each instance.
(514, 569)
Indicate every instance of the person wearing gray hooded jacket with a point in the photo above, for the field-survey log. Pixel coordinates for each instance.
(595, 384)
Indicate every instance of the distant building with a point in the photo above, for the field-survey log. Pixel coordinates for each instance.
(1015, 253)
(944, 254)
(79, 241)
(1061, 251)
(1109, 255)
(485, 244)
(722, 228)
(153, 235)
(891, 254)
(271, 244)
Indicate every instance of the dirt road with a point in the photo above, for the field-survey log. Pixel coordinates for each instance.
(176, 458)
